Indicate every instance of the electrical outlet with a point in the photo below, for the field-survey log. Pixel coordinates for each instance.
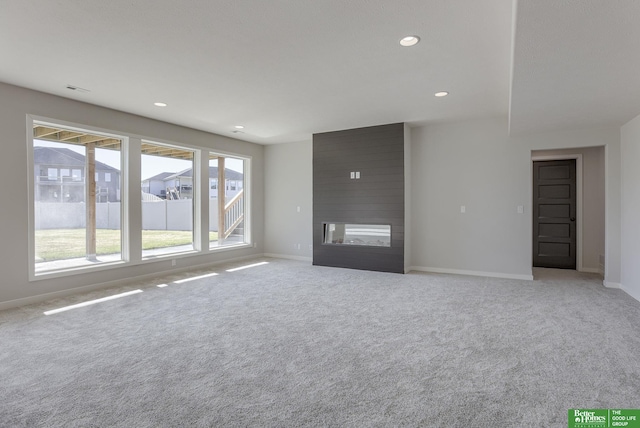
(173, 262)
(311, 246)
(463, 209)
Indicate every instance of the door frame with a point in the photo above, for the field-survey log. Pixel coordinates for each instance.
(578, 158)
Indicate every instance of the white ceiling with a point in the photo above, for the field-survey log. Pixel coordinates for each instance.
(286, 69)
(576, 64)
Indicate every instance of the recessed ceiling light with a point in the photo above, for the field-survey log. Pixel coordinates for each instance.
(409, 40)
(160, 104)
(239, 127)
(441, 94)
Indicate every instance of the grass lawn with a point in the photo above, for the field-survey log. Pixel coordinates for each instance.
(62, 244)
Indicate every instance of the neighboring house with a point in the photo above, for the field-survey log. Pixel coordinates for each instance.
(234, 182)
(155, 185)
(179, 185)
(60, 177)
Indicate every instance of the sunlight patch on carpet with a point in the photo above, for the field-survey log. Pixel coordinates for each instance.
(193, 278)
(91, 302)
(247, 266)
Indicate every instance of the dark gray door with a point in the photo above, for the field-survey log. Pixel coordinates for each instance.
(554, 214)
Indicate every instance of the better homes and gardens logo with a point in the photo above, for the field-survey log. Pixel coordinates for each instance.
(604, 418)
(596, 418)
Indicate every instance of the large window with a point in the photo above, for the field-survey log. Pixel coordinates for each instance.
(81, 200)
(76, 219)
(168, 205)
(227, 203)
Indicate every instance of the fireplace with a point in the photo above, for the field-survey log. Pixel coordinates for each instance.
(359, 198)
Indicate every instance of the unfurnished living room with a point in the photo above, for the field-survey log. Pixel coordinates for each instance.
(320, 213)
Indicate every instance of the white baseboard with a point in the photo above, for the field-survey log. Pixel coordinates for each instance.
(39, 298)
(472, 273)
(635, 295)
(288, 257)
(612, 284)
(616, 285)
(590, 270)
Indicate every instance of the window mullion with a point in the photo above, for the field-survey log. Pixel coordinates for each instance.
(132, 209)
(201, 194)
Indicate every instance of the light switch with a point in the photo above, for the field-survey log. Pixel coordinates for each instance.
(358, 175)
(463, 209)
(298, 209)
(520, 209)
(353, 175)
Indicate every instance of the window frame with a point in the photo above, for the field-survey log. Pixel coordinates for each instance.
(196, 217)
(54, 273)
(247, 171)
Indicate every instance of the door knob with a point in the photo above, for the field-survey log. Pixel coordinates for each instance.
(572, 219)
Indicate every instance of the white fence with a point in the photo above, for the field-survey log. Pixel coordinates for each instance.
(168, 215)
(156, 215)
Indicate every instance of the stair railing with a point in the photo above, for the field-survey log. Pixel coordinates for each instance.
(233, 213)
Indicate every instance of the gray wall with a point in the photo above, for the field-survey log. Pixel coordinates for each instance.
(377, 197)
(610, 139)
(593, 202)
(630, 150)
(288, 184)
(477, 164)
(15, 104)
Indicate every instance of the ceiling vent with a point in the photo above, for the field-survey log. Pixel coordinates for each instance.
(77, 89)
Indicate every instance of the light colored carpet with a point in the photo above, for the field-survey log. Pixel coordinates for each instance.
(289, 344)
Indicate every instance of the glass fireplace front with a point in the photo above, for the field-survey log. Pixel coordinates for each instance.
(373, 235)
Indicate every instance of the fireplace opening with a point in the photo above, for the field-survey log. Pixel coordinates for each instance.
(372, 235)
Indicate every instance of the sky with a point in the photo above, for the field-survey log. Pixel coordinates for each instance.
(151, 165)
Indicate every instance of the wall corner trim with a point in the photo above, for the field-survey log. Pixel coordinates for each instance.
(612, 284)
(472, 273)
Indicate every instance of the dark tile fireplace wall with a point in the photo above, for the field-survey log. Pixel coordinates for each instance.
(377, 197)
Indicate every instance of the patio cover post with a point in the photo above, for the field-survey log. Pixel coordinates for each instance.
(90, 168)
(221, 199)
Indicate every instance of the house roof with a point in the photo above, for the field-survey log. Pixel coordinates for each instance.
(159, 177)
(230, 174)
(286, 70)
(63, 157)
